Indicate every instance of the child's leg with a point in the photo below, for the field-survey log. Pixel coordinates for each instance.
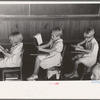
(37, 65)
(77, 57)
(75, 74)
(36, 69)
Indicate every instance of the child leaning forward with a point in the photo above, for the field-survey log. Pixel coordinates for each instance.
(89, 57)
(12, 58)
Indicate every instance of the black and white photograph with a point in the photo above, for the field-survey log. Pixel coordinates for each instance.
(52, 43)
(49, 42)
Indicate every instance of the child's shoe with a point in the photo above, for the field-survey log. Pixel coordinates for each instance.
(33, 77)
(58, 75)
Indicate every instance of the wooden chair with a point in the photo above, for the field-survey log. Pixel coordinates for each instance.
(14, 73)
(58, 68)
(86, 71)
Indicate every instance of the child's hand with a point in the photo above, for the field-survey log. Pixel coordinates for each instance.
(39, 48)
(1, 50)
(78, 49)
(6, 50)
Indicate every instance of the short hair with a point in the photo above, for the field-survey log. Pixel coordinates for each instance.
(88, 30)
(58, 29)
(16, 37)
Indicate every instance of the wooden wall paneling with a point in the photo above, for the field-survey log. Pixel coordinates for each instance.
(35, 27)
(24, 28)
(97, 30)
(14, 9)
(66, 33)
(14, 26)
(42, 9)
(63, 9)
(95, 24)
(32, 29)
(2, 31)
(83, 25)
(74, 30)
(7, 31)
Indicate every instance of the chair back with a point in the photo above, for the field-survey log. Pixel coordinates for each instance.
(58, 68)
(21, 55)
(63, 53)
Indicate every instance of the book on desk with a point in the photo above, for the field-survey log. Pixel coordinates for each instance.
(38, 41)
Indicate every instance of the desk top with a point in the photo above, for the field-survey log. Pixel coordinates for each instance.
(38, 54)
(77, 52)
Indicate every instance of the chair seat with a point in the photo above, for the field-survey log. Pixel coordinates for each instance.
(54, 68)
(50, 73)
(11, 73)
(10, 69)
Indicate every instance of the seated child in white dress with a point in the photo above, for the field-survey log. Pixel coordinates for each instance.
(89, 57)
(12, 58)
(54, 59)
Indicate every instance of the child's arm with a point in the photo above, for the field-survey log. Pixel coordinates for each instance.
(6, 54)
(46, 45)
(85, 50)
(47, 50)
(81, 43)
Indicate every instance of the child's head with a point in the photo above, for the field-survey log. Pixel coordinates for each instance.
(15, 38)
(89, 33)
(56, 33)
(96, 73)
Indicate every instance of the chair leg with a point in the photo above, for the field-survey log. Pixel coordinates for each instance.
(58, 75)
(3, 76)
(84, 72)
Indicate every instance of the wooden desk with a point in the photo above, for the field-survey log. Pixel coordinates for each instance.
(38, 54)
(77, 52)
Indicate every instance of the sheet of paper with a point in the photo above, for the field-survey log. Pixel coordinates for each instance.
(39, 38)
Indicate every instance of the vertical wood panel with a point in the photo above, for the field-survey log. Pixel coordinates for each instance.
(96, 25)
(72, 29)
(83, 25)
(24, 28)
(66, 29)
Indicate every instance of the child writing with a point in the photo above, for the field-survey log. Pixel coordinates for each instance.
(54, 59)
(12, 58)
(89, 57)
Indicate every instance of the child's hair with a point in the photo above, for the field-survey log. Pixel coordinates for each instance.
(17, 37)
(88, 30)
(59, 30)
(96, 72)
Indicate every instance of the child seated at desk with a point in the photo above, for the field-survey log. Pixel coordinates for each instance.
(54, 59)
(12, 58)
(89, 57)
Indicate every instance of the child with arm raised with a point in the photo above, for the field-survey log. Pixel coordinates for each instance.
(48, 61)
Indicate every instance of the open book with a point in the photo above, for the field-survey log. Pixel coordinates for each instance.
(38, 38)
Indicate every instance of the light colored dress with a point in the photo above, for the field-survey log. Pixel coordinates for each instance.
(54, 59)
(15, 60)
(90, 59)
